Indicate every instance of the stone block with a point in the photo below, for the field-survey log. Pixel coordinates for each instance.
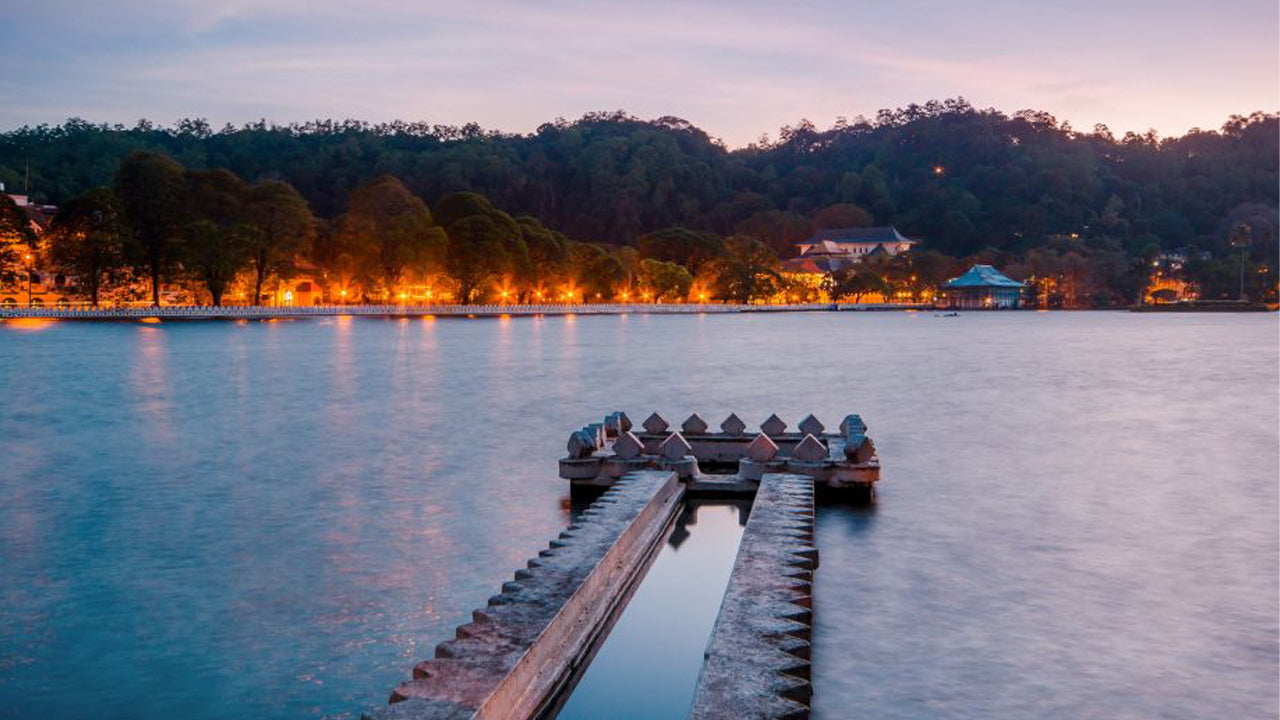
(624, 421)
(655, 424)
(580, 444)
(852, 424)
(596, 431)
(858, 448)
(762, 449)
(810, 449)
(733, 425)
(612, 426)
(694, 425)
(627, 446)
(773, 426)
(811, 426)
(675, 447)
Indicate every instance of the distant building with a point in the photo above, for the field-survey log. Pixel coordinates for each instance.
(982, 287)
(831, 251)
(38, 215)
(26, 283)
(855, 243)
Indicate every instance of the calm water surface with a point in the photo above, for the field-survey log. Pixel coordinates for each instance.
(1078, 517)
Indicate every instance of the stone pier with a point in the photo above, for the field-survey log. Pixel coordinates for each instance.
(757, 660)
(520, 651)
(523, 651)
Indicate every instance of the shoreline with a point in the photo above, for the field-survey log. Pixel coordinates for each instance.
(247, 312)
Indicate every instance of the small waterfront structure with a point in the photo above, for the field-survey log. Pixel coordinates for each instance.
(983, 287)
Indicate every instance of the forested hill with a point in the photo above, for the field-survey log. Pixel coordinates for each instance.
(962, 179)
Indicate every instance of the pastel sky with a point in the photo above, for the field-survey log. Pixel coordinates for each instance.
(736, 68)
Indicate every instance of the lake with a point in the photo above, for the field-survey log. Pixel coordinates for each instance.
(1077, 516)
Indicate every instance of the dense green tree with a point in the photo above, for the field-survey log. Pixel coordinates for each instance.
(548, 252)
(214, 254)
(216, 240)
(858, 282)
(477, 255)
(87, 240)
(779, 229)
(393, 230)
(152, 192)
(664, 281)
(964, 180)
(282, 227)
(747, 271)
(336, 257)
(842, 215)
(599, 271)
(689, 248)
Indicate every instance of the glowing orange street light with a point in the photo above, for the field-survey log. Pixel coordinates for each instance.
(938, 170)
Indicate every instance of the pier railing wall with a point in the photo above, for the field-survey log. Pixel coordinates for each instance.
(237, 312)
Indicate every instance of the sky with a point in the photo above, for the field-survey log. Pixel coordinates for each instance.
(736, 68)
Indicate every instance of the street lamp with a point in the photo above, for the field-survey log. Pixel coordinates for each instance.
(30, 271)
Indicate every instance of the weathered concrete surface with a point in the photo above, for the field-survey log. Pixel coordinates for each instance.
(757, 660)
(512, 659)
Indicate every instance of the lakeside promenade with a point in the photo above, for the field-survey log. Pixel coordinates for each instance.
(258, 312)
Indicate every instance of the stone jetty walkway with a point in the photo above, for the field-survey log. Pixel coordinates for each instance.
(515, 661)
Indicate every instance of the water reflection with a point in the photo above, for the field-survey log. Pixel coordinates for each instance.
(648, 666)
(28, 323)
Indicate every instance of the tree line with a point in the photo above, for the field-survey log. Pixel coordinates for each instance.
(159, 223)
(1033, 195)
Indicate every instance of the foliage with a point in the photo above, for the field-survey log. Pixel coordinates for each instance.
(390, 228)
(282, 228)
(664, 281)
(485, 244)
(858, 282)
(151, 189)
(747, 271)
(598, 271)
(214, 253)
(683, 246)
(15, 229)
(1019, 190)
(87, 240)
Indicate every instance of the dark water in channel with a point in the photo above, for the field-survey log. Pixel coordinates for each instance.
(1078, 517)
(648, 666)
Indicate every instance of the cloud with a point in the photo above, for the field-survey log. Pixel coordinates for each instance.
(735, 68)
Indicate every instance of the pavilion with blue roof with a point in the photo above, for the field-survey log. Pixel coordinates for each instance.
(983, 287)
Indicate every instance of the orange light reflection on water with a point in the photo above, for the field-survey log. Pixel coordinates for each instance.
(29, 323)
